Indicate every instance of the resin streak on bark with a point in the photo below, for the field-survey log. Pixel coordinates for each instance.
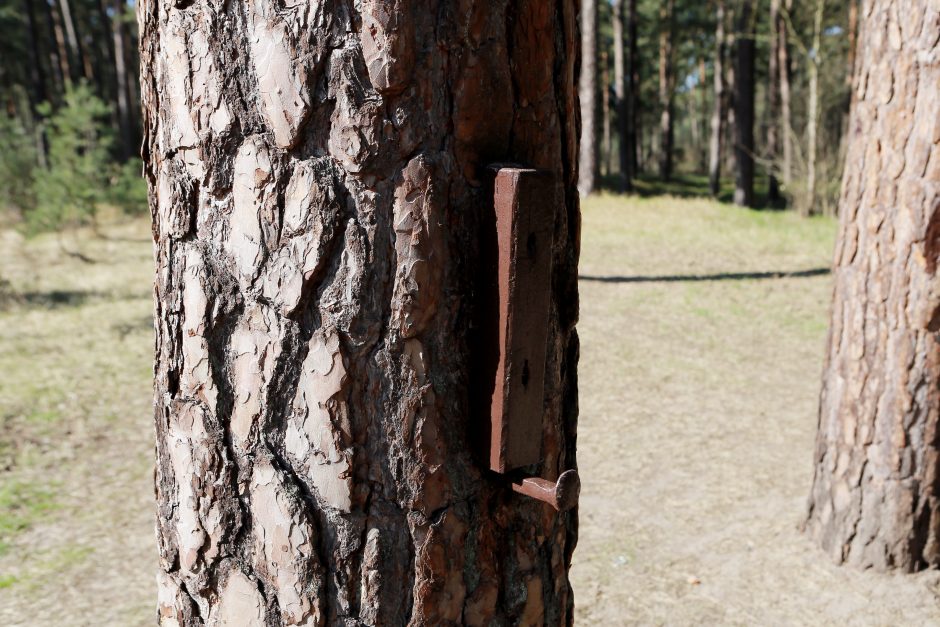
(317, 177)
(875, 501)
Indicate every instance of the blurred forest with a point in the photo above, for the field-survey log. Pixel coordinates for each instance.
(724, 89)
(70, 129)
(673, 90)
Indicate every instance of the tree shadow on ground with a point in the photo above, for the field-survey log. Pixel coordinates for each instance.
(690, 186)
(725, 276)
(59, 299)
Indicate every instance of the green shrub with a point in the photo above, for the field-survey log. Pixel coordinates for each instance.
(128, 189)
(17, 166)
(76, 181)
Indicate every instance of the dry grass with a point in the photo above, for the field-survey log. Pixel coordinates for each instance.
(76, 521)
(698, 410)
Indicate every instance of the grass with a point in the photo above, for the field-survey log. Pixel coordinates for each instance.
(22, 504)
(702, 334)
(76, 428)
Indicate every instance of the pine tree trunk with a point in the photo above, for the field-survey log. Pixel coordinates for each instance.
(607, 147)
(718, 107)
(63, 54)
(786, 121)
(812, 111)
(587, 91)
(37, 75)
(666, 96)
(744, 107)
(75, 44)
(634, 128)
(119, 37)
(318, 179)
(622, 93)
(773, 107)
(875, 501)
(703, 115)
(852, 32)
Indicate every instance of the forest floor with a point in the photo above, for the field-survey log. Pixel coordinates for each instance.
(699, 378)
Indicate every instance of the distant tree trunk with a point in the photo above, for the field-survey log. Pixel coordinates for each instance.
(875, 501)
(607, 148)
(37, 74)
(622, 94)
(75, 44)
(703, 116)
(695, 130)
(63, 54)
(633, 98)
(773, 107)
(786, 121)
(666, 91)
(731, 58)
(119, 37)
(744, 107)
(317, 186)
(812, 110)
(852, 32)
(720, 100)
(587, 89)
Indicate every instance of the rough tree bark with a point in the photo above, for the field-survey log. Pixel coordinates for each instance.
(318, 179)
(875, 501)
(744, 106)
(587, 93)
(718, 107)
(666, 84)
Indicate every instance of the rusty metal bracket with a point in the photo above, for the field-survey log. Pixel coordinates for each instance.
(517, 251)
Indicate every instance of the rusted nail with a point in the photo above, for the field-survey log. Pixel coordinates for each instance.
(562, 494)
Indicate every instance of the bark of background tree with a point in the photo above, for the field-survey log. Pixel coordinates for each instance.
(852, 32)
(622, 92)
(37, 94)
(633, 113)
(607, 143)
(666, 87)
(587, 91)
(744, 106)
(720, 101)
(875, 501)
(773, 107)
(119, 53)
(812, 109)
(318, 181)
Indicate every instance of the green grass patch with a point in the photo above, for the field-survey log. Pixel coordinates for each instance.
(21, 505)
